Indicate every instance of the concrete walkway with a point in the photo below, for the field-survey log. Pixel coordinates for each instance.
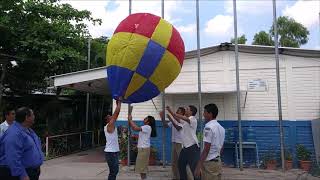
(90, 165)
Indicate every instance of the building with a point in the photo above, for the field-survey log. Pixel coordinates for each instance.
(300, 94)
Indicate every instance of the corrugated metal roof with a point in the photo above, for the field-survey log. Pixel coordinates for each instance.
(255, 49)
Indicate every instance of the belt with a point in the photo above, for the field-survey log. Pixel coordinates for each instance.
(216, 159)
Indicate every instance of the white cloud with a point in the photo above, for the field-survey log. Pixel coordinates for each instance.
(188, 29)
(154, 7)
(110, 18)
(113, 16)
(304, 12)
(249, 6)
(220, 25)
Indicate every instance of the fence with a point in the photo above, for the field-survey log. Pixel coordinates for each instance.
(59, 145)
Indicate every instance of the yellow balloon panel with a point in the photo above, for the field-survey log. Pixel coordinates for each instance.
(126, 49)
(167, 70)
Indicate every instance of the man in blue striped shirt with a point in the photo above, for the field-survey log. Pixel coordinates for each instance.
(20, 149)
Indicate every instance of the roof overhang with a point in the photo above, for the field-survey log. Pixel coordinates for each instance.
(92, 81)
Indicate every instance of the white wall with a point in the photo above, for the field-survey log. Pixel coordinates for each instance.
(300, 87)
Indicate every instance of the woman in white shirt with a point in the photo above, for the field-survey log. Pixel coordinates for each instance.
(112, 145)
(145, 132)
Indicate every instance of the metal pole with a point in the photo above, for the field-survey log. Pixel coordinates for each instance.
(47, 146)
(80, 139)
(130, 6)
(67, 143)
(275, 28)
(129, 135)
(98, 141)
(129, 129)
(88, 95)
(199, 69)
(92, 139)
(237, 81)
(163, 109)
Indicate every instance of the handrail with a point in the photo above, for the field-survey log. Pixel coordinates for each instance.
(69, 134)
(66, 135)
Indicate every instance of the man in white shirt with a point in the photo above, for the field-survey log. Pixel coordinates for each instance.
(176, 140)
(190, 152)
(10, 116)
(210, 166)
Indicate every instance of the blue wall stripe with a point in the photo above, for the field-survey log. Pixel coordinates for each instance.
(266, 135)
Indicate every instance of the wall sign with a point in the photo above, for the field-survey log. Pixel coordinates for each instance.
(257, 85)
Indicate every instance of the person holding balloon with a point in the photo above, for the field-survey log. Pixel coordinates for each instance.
(176, 139)
(190, 153)
(145, 132)
(112, 145)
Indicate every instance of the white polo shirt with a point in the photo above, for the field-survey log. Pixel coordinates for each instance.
(112, 144)
(144, 137)
(189, 136)
(214, 134)
(176, 136)
(3, 127)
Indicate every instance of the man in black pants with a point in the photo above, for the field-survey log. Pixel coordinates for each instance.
(190, 153)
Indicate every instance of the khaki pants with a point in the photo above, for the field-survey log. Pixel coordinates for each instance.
(211, 170)
(176, 149)
(142, 160)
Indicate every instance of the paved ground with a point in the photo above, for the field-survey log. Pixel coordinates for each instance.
(90, 165)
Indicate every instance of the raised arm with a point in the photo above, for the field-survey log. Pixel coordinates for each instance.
(165, 124)
(132, 124)
(114, 117)
(173, 122)
(178, 116)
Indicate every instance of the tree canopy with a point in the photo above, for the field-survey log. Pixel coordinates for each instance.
(262, 38)
(241, 40)
(291, 34)
(48, 37)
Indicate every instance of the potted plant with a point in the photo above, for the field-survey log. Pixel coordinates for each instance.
(133, 148)
(270, 161)
(288, 160)
(304, 157)
(153, 156)
(123, 145)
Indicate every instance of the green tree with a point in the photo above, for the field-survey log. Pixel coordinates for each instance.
(50, 38)
(291, 33)
(241, 40)
(262, 38)
(98, 51)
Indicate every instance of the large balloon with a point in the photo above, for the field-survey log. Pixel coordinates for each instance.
(144, 56)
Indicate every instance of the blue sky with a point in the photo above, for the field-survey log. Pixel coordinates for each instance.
(216, 17)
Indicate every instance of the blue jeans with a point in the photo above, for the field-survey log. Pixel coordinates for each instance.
(113, 163)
